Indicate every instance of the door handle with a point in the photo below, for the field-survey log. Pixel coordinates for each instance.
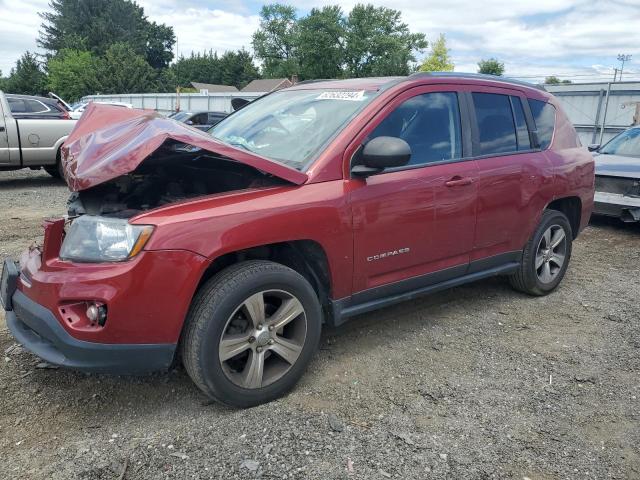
(1, 129)
(458, 181)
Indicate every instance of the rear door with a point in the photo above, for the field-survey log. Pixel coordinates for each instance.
(414, 225)
(512, 173)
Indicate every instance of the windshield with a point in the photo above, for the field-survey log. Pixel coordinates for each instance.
(291, 126)
(627, 143)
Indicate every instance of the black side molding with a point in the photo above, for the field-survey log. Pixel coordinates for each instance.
(363, 302)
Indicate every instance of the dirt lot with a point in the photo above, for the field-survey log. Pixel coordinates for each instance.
(478, 382)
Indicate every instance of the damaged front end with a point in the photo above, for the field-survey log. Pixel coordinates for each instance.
(167, 176)
(120, 162)
(617, 197)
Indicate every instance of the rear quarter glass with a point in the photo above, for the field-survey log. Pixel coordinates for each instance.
(544, 116)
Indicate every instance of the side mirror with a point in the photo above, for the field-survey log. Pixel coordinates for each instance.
(189, 122)
(381, 153)
(594, 147)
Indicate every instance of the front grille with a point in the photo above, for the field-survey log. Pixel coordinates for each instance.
(620, 185)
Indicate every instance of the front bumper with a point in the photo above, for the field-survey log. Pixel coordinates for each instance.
(38, 330)
(617, 205)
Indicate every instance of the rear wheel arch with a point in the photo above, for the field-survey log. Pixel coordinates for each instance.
(571, 207)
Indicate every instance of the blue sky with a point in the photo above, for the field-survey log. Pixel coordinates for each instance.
(576, 39)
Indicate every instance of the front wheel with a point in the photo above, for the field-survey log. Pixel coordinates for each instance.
(251, 332)
(546, 256)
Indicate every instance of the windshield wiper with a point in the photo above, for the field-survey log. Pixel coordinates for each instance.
(236, 144)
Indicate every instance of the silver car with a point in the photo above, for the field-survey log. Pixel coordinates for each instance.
(618, 176)
(32, 131)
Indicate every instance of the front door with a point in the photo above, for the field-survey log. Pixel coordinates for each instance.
(414, 225)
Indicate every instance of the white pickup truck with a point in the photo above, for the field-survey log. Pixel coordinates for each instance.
(32, 130)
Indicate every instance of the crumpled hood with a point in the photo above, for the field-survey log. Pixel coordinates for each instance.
(617, 165)
(110, 141)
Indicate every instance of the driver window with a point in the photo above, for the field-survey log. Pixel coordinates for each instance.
(429, 123)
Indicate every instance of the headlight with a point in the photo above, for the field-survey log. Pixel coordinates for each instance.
(102, 239)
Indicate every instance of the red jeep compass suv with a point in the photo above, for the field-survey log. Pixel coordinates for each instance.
(310, 205)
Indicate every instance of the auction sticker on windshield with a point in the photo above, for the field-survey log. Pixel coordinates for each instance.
(354, 96)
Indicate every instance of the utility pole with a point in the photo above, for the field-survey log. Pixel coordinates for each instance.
(615, 74)
(623, 58)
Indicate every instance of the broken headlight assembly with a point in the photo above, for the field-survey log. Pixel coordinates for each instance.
(102, 239)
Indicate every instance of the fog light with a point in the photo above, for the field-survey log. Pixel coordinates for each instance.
(97, 313)
(92, 312)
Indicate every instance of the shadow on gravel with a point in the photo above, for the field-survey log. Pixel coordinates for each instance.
(614, 223)
(29, 182)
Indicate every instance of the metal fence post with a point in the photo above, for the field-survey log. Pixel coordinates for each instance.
(604, 117)
(595, 123)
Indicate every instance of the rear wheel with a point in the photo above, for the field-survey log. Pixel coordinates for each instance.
(546, 256)
(55, 170)
(251, 332)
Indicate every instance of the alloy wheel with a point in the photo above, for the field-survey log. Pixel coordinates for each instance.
(263, 338)
(551, 252)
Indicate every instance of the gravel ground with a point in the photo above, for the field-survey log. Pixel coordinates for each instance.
(478, 382)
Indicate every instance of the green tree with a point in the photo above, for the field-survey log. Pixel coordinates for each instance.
(159, 44)
(438, 60)
(275, 42)
(321, 46)
(232, 68)
(27, 77)
(553, 80)
(2, 82)
(378, 43)
(122, 70)
(198, 67)
(492, 66)
(237, 68)
(95, 25)
(73, 74)
(167, 81)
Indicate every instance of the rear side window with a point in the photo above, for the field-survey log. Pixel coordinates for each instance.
(522, 132)
(35, 106)
(17, 105)
(496, 126)
(200, 119)
(429, 123)
(544, 115)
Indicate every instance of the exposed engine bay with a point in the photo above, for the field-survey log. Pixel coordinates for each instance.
(173, 173)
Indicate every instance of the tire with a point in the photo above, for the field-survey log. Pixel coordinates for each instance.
(55, 170)
(534, 277)
(223, 312)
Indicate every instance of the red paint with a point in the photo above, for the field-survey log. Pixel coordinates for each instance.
(492, 207)
(110, 141)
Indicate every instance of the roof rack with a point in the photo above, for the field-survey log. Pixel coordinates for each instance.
(479, 76)
(315, 80)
